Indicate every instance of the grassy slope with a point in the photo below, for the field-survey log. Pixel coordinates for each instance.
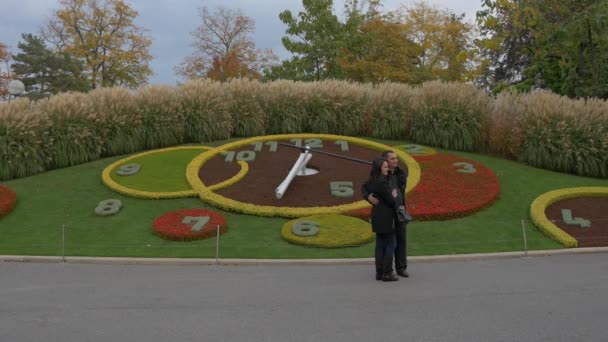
(68, 196)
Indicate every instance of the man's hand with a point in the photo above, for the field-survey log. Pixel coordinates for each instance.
(373, 200)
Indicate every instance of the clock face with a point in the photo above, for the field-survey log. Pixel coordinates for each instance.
(333, 182)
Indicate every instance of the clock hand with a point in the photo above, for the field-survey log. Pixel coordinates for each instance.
(303, 149)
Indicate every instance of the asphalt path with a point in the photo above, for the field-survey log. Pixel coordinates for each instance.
(550, 298)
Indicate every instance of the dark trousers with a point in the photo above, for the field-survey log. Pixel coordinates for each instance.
(401, 248)
(385, 248)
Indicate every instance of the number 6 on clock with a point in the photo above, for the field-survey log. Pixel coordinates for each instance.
(341, 189)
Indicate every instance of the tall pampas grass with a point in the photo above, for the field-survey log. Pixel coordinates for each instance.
(73, 134)
(160, 111)
(206, 110)
(24, 139)
(449, 115)
(390, 110)
(284, 105)
(247, 112)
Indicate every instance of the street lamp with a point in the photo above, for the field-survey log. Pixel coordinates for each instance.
(15, 88)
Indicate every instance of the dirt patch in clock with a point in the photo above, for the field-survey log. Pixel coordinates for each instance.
(269, 169)
(594, 209)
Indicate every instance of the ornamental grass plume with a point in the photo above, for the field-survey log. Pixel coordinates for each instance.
(336, 107)
(449, 115)
(283, 101)
(247, 112)
(117, 120)
(75, 139)
(160, 111)
(390, 110)
(206, 111)
(24, 139)
(502, 132)
(565, 135)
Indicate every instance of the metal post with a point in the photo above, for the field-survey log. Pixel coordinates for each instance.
(63, 242)
(217, 245)
(523, 227)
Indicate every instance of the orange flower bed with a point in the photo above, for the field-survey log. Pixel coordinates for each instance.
(189, 224)
(448, 191)
(8, 200)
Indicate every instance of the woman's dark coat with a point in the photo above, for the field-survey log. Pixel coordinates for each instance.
(383, 213)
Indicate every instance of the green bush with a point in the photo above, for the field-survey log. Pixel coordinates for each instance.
(118, 121)
(248, 116)
(335, 107)
(390, 110)
(74, 138)
(565, 135)
(24, 140)
(449, 115)
(283, 103)
(161, 115)
(206, 111)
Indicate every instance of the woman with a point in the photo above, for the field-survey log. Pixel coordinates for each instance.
(383, 216)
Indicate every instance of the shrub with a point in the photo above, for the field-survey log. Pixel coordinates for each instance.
(248, 116)
(565, 135)
(390, 110)
(161, 115)
(117, 120)
(335, 107)
(284, 105)
(74, 138)
(206, 111)
(24, 140)
(449, 115)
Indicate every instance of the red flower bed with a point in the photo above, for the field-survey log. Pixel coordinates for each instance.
(174, 225)
(8, 200)
(445, 193)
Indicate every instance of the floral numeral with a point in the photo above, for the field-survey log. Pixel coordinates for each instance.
(312, 143)
(128, 169)
(247, 156)
(343, 145)
(305, 228)
(414, 149)
(257, 146)
(465, 167)
(578, 221)
(199, 222)
(341, 189)
(108, 207)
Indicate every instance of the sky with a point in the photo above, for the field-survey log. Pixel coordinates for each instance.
(170, 22)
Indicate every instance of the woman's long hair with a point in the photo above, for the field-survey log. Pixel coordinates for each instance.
(376, 170)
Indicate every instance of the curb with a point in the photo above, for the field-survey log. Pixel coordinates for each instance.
(255, 262)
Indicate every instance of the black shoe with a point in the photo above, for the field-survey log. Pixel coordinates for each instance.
(378, 276)
(403, 273)
(389, 277)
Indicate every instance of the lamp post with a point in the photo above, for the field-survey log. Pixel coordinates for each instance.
(15, 88)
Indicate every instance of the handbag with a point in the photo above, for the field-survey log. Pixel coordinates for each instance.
(402, 215)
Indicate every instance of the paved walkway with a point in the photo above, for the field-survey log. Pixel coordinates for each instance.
(548, 298)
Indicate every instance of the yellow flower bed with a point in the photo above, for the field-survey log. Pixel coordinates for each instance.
(542, 202)
(109, 182)
(334, 231)
(207, 195)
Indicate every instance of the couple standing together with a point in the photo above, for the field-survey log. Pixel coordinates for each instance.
(385, 190)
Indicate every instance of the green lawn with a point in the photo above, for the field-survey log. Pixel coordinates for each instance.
(67, 197)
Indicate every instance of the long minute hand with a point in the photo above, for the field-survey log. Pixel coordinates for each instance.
(306, 148)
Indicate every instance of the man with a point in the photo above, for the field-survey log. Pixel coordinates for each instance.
(397, 181)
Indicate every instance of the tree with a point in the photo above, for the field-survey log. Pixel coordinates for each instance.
(225, 35)
(227, 67)
(315, 37)
(445, 39)
(5, 74)
(559, 45)
(102, 34)
(44, 72)
(382, 53)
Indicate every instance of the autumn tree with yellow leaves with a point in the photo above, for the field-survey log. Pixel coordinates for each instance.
(103, 34)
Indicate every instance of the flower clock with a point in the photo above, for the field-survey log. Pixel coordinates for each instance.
(189, 224)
